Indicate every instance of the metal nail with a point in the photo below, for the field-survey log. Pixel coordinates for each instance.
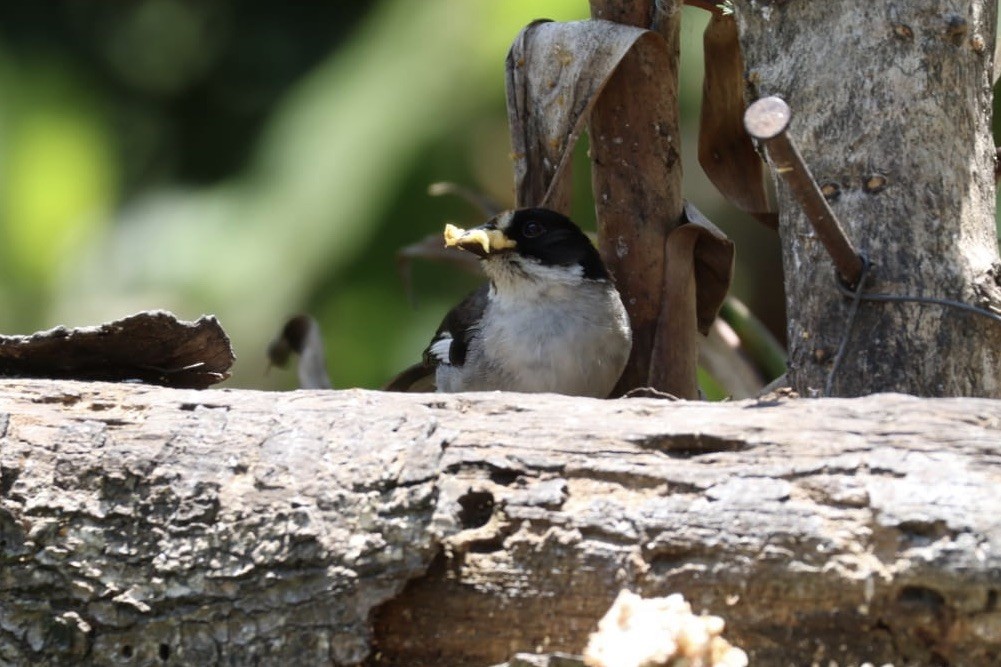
(767, 121)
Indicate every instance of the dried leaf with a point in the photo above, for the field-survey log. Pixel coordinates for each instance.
(151, 346)
(699, 270)
(301, 334)
(555, 72)
(726, 152)
(713, 261)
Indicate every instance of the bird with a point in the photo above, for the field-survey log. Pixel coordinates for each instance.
(549, 319)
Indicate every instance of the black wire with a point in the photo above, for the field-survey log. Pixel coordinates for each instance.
(900, 298)
(857, 295)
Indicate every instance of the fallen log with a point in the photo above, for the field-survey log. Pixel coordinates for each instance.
(145, 525)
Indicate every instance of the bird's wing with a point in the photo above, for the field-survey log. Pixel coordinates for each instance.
(451, 341)
(449, 345)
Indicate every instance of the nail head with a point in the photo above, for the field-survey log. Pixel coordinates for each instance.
(767, 118)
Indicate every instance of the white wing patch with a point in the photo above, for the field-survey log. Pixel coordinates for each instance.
(441, 348)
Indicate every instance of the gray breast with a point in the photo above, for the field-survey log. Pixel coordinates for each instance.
(568, 341)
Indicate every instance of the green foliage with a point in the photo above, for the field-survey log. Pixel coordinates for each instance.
(59, 178)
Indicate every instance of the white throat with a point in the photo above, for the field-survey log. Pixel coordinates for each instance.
(524, 280)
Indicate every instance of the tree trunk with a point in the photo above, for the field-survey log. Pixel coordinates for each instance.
(892, 110)
(141, 525)
(635, 150)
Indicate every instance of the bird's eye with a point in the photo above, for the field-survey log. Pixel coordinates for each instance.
(532, 229)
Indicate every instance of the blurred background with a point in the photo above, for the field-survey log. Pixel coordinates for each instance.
(253, 160)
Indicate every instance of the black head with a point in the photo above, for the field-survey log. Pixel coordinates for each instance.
(553, 239)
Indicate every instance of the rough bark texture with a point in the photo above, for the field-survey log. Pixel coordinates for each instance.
(141, 525)
(151, 346)
(892, 109)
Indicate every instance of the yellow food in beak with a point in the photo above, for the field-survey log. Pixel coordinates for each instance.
(488, 240)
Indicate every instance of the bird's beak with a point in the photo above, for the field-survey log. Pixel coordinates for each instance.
(483, 240)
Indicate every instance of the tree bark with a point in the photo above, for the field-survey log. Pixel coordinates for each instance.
(892, 110)
(635, 149)
(141, 525)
